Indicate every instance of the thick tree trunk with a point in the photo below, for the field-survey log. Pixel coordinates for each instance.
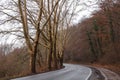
(55, 62)
(61, 62)
(33, 63)
(50, 61)
(61, 59)
(55, 56)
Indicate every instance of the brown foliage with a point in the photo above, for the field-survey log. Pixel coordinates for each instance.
(11, 64)
(97, 39)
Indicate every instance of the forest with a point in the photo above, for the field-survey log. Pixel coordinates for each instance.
(96, 40)
(48, 38)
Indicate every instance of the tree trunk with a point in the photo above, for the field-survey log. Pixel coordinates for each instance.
(33, 63)
(61, 61)
(92, 47)
(50, 61)
(55, 56)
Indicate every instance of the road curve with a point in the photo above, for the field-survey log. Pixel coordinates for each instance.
(70, 72)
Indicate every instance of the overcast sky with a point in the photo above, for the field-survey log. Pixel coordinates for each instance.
(87, 8)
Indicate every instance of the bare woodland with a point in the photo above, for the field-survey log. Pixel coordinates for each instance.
(40, 25)
(49, 38)
(96, 39)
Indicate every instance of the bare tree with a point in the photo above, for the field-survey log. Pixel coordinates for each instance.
(40, 26)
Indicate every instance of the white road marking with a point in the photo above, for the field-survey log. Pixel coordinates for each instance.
(89, 74)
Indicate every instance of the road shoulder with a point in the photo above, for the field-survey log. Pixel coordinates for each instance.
(96, 75)
(109, 75)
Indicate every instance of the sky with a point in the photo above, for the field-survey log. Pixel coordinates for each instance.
(86, 8)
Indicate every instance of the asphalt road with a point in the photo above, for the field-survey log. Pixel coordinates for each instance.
(70, 72)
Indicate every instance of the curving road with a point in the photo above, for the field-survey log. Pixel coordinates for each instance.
(70, 72)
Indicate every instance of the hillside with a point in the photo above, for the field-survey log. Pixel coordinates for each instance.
(96, 40)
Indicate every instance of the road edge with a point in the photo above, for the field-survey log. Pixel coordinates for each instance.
(89, 74)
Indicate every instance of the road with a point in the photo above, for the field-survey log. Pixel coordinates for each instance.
(70, 72)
